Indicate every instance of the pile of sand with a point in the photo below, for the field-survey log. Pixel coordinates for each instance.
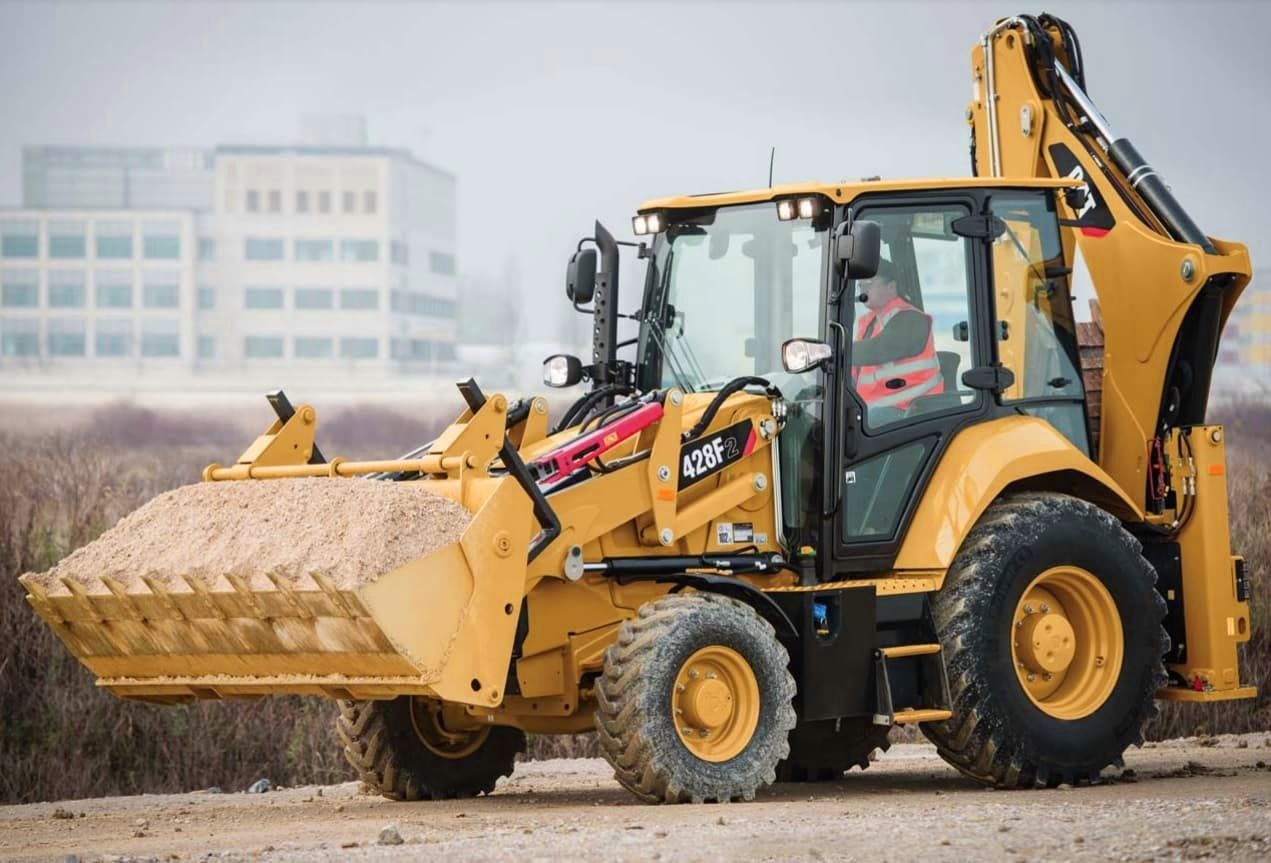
(351, 531)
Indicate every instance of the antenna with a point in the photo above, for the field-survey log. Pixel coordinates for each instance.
(772, 157)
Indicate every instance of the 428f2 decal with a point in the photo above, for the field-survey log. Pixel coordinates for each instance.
(712, 453)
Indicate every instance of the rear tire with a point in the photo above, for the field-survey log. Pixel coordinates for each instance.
(398, 749)
(820, 753)
(1018, 719)
(695, 703)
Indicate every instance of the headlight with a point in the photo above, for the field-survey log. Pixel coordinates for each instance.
(648, 223)
(562, 370)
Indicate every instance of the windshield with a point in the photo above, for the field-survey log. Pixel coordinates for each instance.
(726, 287)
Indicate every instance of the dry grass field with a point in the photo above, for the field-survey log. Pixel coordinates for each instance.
(61, 738)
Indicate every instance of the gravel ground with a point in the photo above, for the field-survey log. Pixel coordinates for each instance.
(1179, 800)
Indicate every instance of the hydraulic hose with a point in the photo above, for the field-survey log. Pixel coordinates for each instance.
(733, 386)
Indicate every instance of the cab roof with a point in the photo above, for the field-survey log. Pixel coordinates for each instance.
(841, 193)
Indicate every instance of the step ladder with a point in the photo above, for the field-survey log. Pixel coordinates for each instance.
(931, 659)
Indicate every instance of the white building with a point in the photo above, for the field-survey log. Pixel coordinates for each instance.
(325, 265)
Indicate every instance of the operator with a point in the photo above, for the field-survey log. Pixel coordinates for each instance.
(893, 357)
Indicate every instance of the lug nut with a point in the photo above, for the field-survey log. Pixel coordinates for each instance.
(1045, 608)
(1028, 608)
(692, 672)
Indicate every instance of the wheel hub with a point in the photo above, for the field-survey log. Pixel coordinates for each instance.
(707, 703)
(1047, 643)
(428, 718)
(715, 703)
(1067, 642)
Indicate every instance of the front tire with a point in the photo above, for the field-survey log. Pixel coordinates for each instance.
(403, 749)
(695, 703)
(1051, 629)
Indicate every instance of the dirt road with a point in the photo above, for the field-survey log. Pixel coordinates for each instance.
(1178, 800)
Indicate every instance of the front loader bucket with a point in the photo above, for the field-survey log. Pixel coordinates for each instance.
(338, 587)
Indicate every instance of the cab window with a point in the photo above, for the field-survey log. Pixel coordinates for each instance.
(912, 334)
(1035, 329)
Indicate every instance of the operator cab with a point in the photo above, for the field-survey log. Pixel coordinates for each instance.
(971, 319)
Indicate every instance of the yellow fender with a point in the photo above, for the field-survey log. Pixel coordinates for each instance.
(985, 460)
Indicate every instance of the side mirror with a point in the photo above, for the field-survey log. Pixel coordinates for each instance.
(580, 277)
(859, 250)
(562, 370)
(799, 355)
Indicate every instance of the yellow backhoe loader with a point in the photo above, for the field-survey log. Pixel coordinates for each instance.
(760, 540)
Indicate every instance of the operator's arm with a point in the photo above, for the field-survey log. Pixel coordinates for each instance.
(904, 336)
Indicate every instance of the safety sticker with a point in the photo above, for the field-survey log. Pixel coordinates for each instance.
(737, 533)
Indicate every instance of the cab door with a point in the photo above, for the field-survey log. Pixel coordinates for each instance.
(892, 418)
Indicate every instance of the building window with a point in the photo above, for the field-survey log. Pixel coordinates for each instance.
(314, 348)
(441, 263)
(161, 290)
(161, 240)
(160, 339)
(207, 297)
(19, 289)
(67, 240)
(350, 202)
(359, 348)
(207, 347)
(114, 240)
(19, 337)
(207, 249)
(359, 299)
(315, 250)
(66, 338)
(324, 201)
(262, 347)
(369, 202)
(359, 250)
(113, 338)
(253, 201)
(19, 238)
(262, 298)
(399, 252)
(302, 201)
(66, 289)
(435, 307)
(314, 298)
(275, 200)
(114, 289)
(264, 249)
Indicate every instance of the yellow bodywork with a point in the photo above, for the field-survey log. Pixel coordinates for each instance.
(445, 625)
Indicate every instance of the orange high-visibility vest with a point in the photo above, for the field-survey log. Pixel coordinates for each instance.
(910, 377)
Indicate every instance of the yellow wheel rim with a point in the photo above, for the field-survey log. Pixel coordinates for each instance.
(430, 727)
(715, 703)
(1067, 644)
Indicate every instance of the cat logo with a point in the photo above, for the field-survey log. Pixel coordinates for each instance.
(1078, 174)
(611, 439)
(1092, 216)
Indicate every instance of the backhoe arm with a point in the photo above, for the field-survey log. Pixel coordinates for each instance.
(1164, 287)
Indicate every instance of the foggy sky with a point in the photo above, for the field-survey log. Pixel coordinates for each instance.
(552, 115)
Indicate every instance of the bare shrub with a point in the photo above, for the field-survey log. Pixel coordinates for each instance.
(62, 738)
